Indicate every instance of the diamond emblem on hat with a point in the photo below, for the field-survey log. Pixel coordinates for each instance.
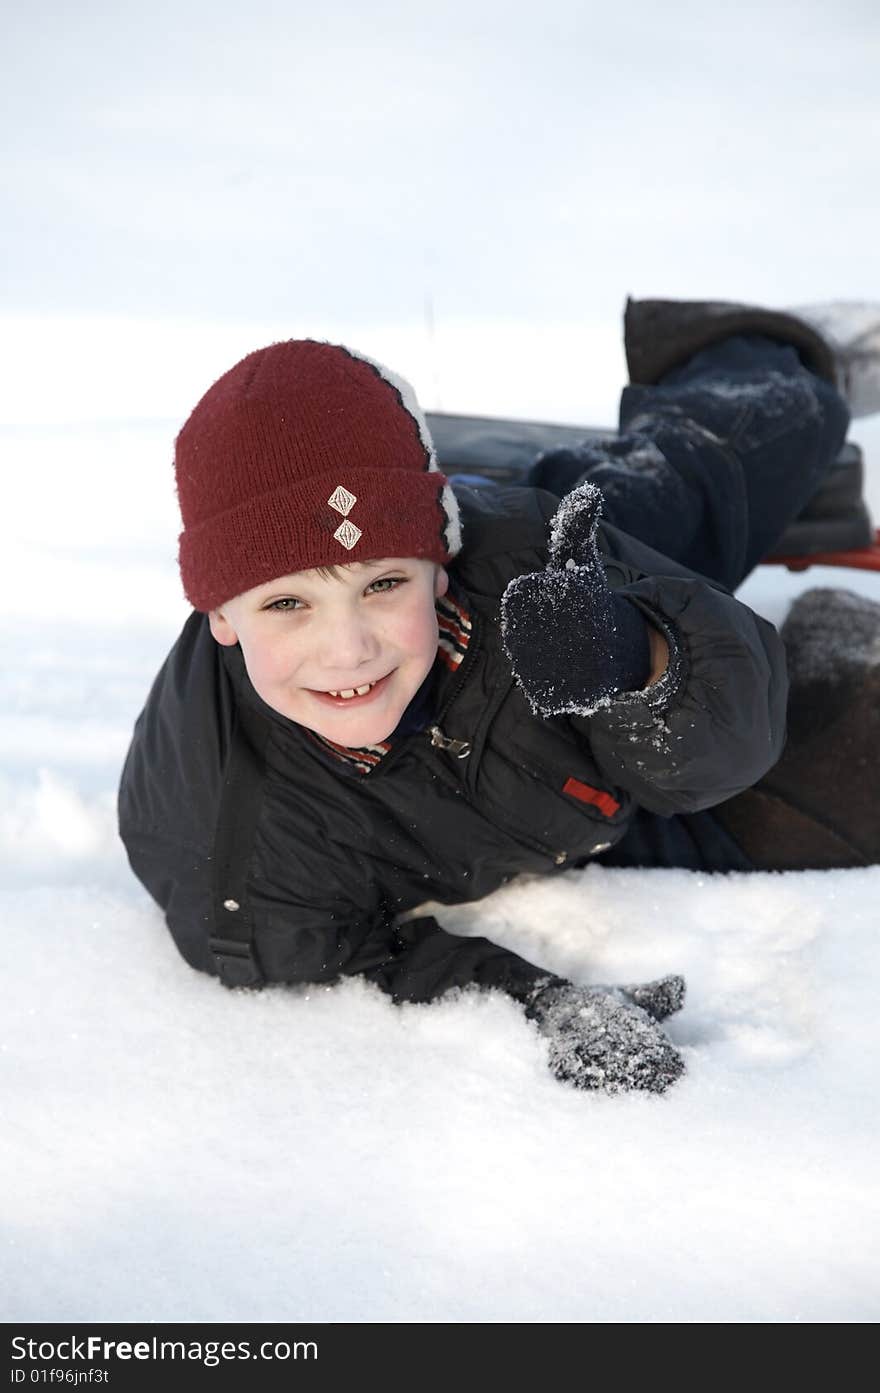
(343, 502)
(347, 534)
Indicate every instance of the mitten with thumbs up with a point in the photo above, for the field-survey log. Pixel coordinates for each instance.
(573, 643)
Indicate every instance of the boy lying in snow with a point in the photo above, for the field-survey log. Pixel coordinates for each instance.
(393, 690)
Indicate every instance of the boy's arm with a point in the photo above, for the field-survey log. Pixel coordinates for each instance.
(659, 655)
(713, 722)
(416, 960)
(681, 723)
(422, 961)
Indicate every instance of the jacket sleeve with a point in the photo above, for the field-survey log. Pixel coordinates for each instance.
(714, 724)
(423, 960)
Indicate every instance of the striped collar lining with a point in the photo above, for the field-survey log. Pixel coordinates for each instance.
(454, 624)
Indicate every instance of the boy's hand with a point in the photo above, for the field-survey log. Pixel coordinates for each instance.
(572, 642)
(607, 1037)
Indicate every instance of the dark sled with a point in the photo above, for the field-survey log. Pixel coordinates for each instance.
(834, 529)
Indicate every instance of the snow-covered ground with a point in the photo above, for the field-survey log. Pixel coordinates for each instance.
(174, 1151)
(467, 192)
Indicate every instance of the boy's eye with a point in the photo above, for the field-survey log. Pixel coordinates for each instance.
(390, 581)
(284, 606)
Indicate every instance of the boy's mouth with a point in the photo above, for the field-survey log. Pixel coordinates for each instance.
(354, 691)
(354, 696)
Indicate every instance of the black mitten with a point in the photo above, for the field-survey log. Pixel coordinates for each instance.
(607, 1037)
(572, 642)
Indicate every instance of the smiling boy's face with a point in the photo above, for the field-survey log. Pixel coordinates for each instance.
(308, 636)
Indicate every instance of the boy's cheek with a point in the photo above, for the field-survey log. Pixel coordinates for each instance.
(264, 670)
(418, 629)
(414, 636)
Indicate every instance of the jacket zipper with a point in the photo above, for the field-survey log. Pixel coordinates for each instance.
(460, 748)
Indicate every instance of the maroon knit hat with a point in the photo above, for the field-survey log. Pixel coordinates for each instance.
(306, 454)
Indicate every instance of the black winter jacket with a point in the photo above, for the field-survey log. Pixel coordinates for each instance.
(275, 861)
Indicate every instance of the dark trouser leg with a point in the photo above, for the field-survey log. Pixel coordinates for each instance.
(710, 467)
(713, 462)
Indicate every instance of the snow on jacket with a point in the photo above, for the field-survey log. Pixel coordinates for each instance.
(277, 858)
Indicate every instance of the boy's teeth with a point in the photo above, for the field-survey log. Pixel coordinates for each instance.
(354, 691)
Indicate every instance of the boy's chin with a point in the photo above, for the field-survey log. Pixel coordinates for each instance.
(355, 729)
(355, 734)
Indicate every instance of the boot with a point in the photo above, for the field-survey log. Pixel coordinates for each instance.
(851, 328)
(819, 807)
(840, 341)
(836, 518)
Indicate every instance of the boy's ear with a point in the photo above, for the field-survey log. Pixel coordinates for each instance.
(221, 628)
(441, 583)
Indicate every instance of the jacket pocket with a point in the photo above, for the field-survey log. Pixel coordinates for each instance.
(542, 784)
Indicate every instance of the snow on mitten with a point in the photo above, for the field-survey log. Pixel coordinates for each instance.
(572, 642)
(607, 1037)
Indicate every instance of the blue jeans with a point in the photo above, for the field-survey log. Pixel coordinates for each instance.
(713, 463)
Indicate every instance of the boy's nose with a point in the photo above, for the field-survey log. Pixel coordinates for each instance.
(348, 644)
